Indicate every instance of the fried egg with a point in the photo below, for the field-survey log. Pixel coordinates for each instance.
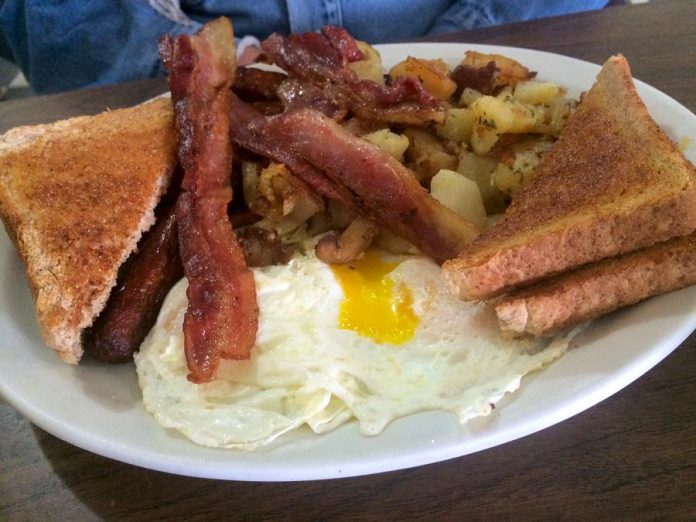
(369, 342)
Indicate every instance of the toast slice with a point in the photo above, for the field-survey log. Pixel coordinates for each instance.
(75, 197)
(599, 288)
(613, 182)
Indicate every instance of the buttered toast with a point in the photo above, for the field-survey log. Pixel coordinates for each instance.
(75, 197)
(613, 182)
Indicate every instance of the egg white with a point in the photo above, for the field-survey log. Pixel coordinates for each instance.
(304, 369)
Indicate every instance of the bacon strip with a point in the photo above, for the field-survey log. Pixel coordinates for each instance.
(252, 84)
(296, 94)
(358, 174)
(222, 316)
(321, 59)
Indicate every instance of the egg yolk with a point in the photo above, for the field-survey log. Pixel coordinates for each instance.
(371, 305)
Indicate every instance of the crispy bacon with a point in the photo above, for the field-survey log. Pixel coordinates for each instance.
(362, 175)
(296, 94)
(222, 316)
(321, 59)
(252, 84)
(481, 79)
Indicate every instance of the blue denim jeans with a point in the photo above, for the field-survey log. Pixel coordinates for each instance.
(68, 44)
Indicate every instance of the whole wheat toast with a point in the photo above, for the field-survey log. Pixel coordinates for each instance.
(614, 182)
(599, 288)
(75, 197)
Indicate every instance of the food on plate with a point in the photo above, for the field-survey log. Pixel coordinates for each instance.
(345, 248)
(256, 85)
(350, 188)
(369, 67)
(75, 198)
(222, 316)
(359, 174)
(488, 73)
(460, 194)
(321, 60)
(599, 288)
(142, 285)
(274, 193)
(318, 359)
(613, 182)
(433, 74)
(356, 338)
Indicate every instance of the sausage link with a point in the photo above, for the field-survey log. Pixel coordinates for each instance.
(134, 304)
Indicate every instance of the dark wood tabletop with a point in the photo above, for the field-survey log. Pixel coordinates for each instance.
(633, 456)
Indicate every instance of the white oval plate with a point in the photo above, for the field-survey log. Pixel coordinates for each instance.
(98, 408)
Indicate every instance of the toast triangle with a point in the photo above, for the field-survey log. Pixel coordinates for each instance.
(614, 182)
(598, 288)
(75, 198)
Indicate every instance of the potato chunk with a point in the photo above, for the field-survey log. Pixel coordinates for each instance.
(479, 169)
(433, 74)
(394, 144)
(492, 118)
(458, 125)
(510, 71)
(275, 194)
(460, 194)
(370, 67)
(536, 93)
(469, 96)
(427, 154)
(511, 176)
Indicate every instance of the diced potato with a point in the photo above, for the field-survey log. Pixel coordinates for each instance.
(272, 192)
(370, 67)
(483, 139)
(510, 71)
(394, 144)
(460, 194)
(492, 118)
(495, 116)
(269, 179)
(427, 155)
(433, 74)
(457, 126)
(493, 112)
(526, 118)
(510, 177)
(468, 97)
(301, 205)
(557, 114)
(506, 179)
(479, 169)
(536, 93)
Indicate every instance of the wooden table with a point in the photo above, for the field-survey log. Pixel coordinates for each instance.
(632, 456)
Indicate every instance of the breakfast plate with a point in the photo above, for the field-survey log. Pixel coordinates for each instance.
(99, 408)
